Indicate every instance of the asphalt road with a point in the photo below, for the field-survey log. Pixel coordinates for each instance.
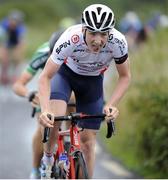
(16, 131)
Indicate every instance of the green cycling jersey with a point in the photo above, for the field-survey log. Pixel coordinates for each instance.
(39, 59)
(41, 55)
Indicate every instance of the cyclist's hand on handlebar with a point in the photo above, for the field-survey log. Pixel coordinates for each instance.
(33, 98)
(111, 112)
(45, 121)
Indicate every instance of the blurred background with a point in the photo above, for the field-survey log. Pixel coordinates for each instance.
(141, 141)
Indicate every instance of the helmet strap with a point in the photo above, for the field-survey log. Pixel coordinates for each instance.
(84, 36)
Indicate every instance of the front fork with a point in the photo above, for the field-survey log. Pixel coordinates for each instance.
(75, 146)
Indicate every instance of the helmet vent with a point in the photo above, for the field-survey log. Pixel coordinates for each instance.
(98, 18)
(108, 20)
(88, 19)
(99, 10)
(98, 24)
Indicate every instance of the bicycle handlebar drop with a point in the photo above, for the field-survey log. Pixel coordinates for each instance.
(74, 117)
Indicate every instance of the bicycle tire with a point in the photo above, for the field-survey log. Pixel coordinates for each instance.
(58, 172)
(80, 166)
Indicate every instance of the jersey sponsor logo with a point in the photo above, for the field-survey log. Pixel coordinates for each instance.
(88, 70)
(39, 62)
(116, 41)
(63, 45)
(76, 138)
(76, 60)
(121, 44)
(96, 64)
(90, 67)
(121, 50)
(88, 51)
(75, 39)
(60, 59)
(79, 50)
(106, 51)
(110, 38)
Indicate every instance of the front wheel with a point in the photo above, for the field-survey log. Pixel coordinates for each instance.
(80, 166)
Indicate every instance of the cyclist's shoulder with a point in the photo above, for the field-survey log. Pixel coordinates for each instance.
(41, 52)
(43, 48)
(4, 23)
(39, 58)
(117, 42)
(73, 34)
(115, 34)
(116, 38)
(74, 29)
(20, 28)
(3, 35)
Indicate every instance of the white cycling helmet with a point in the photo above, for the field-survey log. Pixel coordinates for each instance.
(98, 18)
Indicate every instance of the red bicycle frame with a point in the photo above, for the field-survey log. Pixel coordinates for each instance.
(73, 132)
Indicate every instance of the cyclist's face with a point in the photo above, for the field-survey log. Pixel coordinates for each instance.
(13, 24)
(96, 40)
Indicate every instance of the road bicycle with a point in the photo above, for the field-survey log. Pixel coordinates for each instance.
(71, 164)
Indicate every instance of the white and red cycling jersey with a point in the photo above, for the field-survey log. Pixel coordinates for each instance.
(72, 50)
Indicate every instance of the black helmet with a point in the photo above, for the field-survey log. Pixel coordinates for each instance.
(53, 39)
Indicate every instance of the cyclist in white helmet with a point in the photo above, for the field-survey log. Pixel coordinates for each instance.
(78, 62)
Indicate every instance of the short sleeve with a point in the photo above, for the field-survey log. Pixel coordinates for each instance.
(63, 48)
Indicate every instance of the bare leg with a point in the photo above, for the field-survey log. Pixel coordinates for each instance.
(37, 147)
(58, 108)
(18, 54)
(37, 152)
(17, 57)
(88, 141)
(70, 109)
(4, 58)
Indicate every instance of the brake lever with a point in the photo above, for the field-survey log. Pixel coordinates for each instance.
(113, 127)
(33, 112)
(46, 131)
(31, 96)
(110, 129)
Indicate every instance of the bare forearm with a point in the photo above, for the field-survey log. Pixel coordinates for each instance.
(44, 92)
(44, 84)
(20, 90)
(120, 90)
(19, 86)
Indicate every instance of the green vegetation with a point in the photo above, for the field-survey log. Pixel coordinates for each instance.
(141, 141)
(43, 16)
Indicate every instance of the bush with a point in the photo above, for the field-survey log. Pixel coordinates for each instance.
(151, 109)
